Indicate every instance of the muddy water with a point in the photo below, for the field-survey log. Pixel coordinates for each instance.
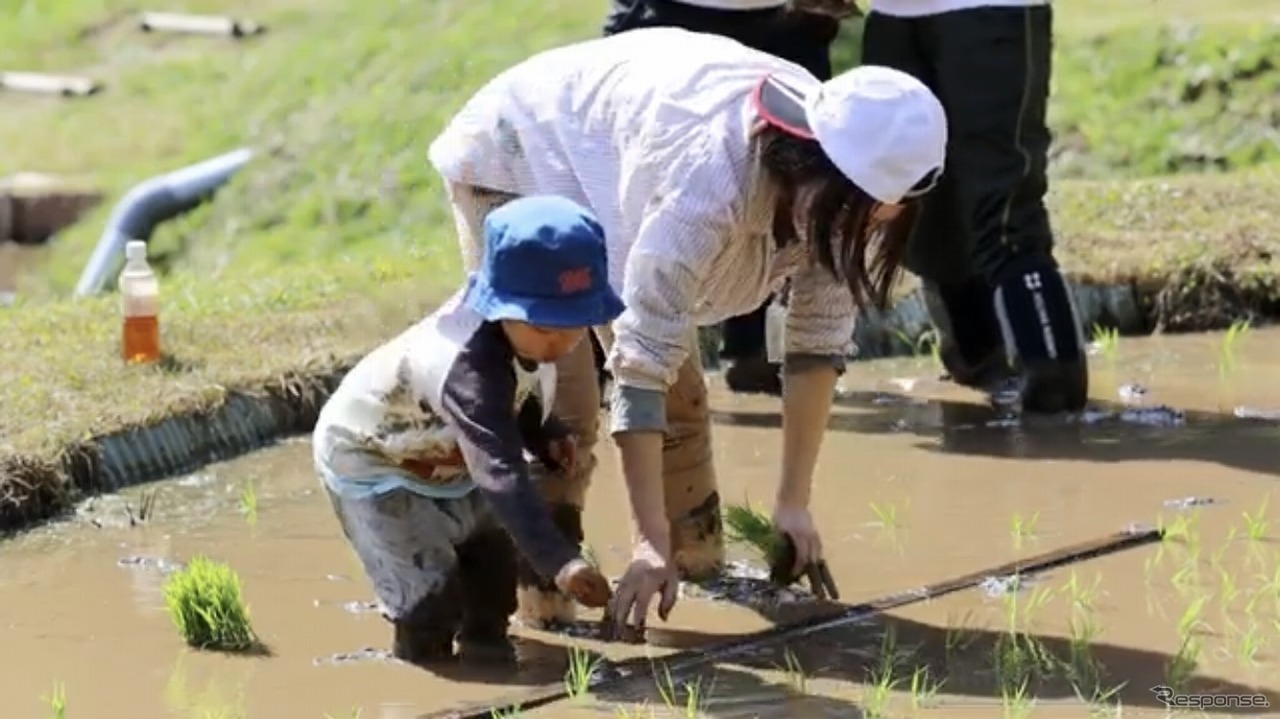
(918, 482)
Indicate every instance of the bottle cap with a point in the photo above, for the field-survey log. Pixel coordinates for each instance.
(135, 250)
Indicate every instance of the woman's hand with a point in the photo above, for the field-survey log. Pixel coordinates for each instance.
(806, 406)
(652, 571)
(801, 553)
(648, 576)
(796, 523)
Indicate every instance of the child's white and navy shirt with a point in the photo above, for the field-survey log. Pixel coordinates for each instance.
(441, 410)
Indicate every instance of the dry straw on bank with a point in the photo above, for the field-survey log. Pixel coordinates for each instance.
(207, 607)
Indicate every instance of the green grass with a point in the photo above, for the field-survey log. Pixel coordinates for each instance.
(341, 99)
(241, 331)
(338, 234)
(1207, 99)
(1202, 78)
(206, 606)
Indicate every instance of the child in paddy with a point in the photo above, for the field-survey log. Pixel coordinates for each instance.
(420, 448)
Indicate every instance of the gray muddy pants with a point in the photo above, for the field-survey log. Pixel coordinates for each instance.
(441, 568)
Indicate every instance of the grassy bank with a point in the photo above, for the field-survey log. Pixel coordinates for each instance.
(337, 235)
(64, 379)
(280, 336)
(1205, 83)
(341, 100)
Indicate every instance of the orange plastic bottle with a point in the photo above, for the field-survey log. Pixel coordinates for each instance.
(140, 305)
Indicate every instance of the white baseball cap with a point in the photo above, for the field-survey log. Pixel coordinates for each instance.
(883, 128)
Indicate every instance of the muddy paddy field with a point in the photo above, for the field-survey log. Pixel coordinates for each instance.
(919, 482)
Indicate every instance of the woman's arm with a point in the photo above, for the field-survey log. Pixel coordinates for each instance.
(806, 407)
(820, 321)
(664, 273)
(651, 342)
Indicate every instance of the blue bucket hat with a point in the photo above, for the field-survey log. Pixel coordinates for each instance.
(544, 264)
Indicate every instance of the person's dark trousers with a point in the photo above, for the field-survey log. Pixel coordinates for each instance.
(602, 375)
(984, 245)
(802, 38)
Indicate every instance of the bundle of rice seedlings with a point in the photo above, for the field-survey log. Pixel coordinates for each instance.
(749, 526)
(206, 606)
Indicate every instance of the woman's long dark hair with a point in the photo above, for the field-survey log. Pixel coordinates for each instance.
(864, 254)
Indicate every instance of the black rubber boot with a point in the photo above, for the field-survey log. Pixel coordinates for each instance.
(540, 604)
(754, 375)
(603, 376)
(1041, 329)
(425, 635)
(970, 343)
(487, 568)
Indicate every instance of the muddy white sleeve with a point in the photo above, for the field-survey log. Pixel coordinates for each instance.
(664, 275)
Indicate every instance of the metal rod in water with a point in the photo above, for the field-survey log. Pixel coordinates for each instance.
(198, 24)
(611, 673)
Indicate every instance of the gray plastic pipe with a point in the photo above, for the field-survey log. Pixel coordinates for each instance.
(150, 203)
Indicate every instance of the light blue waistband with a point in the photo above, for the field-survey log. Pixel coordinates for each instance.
(374, 485)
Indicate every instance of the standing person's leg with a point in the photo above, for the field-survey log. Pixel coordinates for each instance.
(577, 403)
(745, 26)
(940, 253)
(805, 39)
(743, 336)
(623, 15)
(750, 370)
(993, 67)
(599, 356)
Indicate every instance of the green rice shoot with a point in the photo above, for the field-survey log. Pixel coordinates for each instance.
(206, 605)
(57, 701)
(751, 527)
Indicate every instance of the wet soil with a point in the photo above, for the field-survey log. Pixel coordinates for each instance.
(919, 481)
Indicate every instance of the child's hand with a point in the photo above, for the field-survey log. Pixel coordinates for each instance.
(584, 583)
(564, 452)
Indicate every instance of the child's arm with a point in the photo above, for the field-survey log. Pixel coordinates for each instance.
(478, 399)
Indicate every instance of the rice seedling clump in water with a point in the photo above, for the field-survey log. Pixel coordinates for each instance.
(206, 605)
(749, 526)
